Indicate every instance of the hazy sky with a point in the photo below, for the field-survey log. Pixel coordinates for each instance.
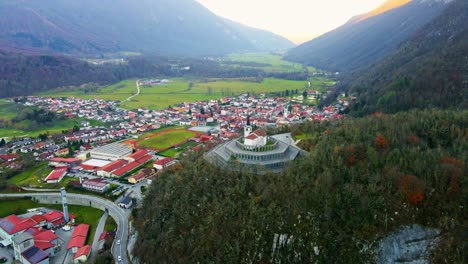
(298, 20)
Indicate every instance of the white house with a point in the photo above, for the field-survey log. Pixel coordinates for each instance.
(258, 138)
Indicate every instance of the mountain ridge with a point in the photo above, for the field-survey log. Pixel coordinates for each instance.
(182, 27)
(356, 45)
(428, 70)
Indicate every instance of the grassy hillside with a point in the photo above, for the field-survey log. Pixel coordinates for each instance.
(363, 179)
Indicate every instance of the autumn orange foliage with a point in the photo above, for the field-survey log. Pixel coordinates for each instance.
(413, 140)
(412, 188)
(381, 142)
(350, 153)
(455, 162)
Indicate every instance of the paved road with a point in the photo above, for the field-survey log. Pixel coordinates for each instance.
(120, 216)
(138, 92)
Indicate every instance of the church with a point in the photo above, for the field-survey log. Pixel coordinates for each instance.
(256, 152)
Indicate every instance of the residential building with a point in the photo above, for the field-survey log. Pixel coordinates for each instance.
(164, 163)
(82, 255)
(96, 185)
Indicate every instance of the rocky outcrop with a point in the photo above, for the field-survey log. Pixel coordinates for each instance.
(409, 245)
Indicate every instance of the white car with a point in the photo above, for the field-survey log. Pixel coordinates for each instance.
(119, 258)
(118, 242)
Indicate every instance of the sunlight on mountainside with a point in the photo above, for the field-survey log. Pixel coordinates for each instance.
(387, 6)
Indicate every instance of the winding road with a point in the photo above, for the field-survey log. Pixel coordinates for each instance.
(138, 92)
(120, 216)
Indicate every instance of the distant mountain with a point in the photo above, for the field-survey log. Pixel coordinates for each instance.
(429, 70)
(369, 37)
(182, 27)
(261, 39)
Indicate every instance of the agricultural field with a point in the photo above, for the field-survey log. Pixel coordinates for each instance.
(8, 110)
(117, 92)
(275, 62)
(21, 128)
(184, 90)
(166, 139)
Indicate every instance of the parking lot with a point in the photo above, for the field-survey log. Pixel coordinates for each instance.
(8, 253)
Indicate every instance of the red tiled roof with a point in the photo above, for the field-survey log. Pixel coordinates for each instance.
(126, 168)
(43, 240)
(139, 154)
(88, 167)
(56, 174)
(13, 224)
(77, 241)
(113, 165)
(95, 183)
(164, 161)
(260, 132)
(47, 235)
(251, 136)
(83, 251)
(43, 244)
(38, 218)
(144, 159)
(81, 230)
(52, 216)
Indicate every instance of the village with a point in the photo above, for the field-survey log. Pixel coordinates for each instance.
(118, 159)
(214, 120)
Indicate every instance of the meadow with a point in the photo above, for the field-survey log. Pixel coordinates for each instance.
(21, 129)
(32, 176)
(166, 139)
(275, 62)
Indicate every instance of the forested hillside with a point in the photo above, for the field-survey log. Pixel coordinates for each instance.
(429, 70)
(28, 74)
(90, 27)
(367, 38)
(363, 179)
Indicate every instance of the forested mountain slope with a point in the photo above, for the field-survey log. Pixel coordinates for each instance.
(367, 38)
(429, 70)
(364, 178)
(97, 27)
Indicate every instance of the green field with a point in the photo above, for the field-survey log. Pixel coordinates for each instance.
(119, 91)
(83, 214)
(166, 139)
(32, 176)
(8, 110)
(173, 152)
(276, 62)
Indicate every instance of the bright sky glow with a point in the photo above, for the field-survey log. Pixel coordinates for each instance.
(297, 20)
